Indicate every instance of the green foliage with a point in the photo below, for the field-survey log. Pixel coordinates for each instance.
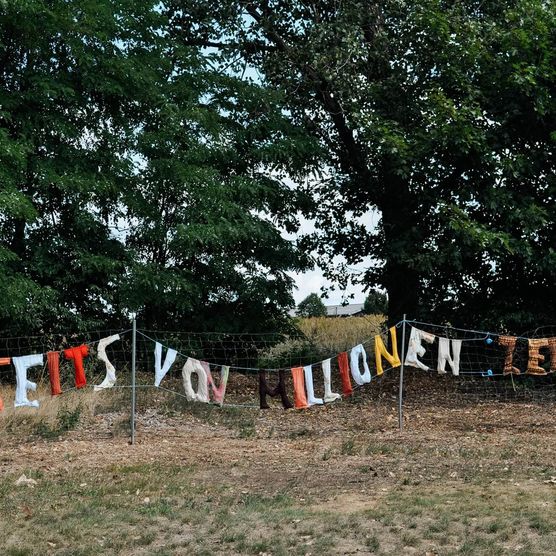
(137, 173)
(437, 116)
(311, 306)
(66, 420)
(376, 303)
(291, 352)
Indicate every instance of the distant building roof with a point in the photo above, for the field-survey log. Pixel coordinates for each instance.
(344, 310)
(337, 310)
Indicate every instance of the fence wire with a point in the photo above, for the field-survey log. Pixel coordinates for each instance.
(480, 379)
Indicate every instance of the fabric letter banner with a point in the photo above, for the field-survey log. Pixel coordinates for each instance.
(110, 378)
(279, 390)
(535, 357)
(159, 369)
(381, 351)
(3, 361)
(219, 392)
(21, 365)
(194, 366)
(76, 354)
(444, 355)
(508, 342)
(343, 364)
(552, 348)
(299, 398)
(53, 362)
(416, 350)
(329, 396)
(356, 352)
(309, 386)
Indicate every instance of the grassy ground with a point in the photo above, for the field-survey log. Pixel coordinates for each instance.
(473, 479)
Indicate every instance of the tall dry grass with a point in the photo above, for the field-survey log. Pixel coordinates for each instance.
(54, 412)
(320, 338)
(340, 334)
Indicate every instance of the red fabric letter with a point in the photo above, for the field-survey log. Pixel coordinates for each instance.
(77, 354)
(53, 359)
(344, 373)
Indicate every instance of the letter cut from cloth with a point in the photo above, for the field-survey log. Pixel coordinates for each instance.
(76, 354)
(444, 355)
(218, 392)
(508, 343)
(552, 348)
(3, 361)
(299, 398)
(310, 387)
(415, 349)
(329, 396)
(278, 390)
(343, 365)
(360, 378)
(110, 378)
(161, 370)
(200, 368)
(53, 362)
(536, 357)
(21, 365)
(381, 351)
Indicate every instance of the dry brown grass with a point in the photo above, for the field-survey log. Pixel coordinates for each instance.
(55, 415)
(339, 480)
(321, 337)
(340, 334)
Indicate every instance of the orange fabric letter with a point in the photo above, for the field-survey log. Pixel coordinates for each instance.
(535, 357)
(53, 359)
(3, 361)
(77, 354)
(509, 343)
(299, 397)
(343, 363)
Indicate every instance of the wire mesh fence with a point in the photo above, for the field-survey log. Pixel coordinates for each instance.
(481, 366)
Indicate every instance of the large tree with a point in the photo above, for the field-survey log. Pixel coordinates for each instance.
(437, 114)
(137, 174)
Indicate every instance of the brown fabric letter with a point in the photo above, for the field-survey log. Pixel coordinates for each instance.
(509, 343)
(535, 357)
(280, 389)
(552, 348)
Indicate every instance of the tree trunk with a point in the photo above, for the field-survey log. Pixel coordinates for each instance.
(402, 242)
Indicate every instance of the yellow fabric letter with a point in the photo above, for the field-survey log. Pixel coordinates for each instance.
(381, 351)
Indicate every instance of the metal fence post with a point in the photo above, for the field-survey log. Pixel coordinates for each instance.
(400, 400)
(133, 352)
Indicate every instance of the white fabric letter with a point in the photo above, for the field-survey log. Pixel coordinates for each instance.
(202, 394)
(444, 355)
(110, 378)
(160, 373)
(359, 378)
(329, 396)
(310, 388)
(415, 349)
(21, 365)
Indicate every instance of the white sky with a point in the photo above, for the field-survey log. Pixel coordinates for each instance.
(314, 282)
